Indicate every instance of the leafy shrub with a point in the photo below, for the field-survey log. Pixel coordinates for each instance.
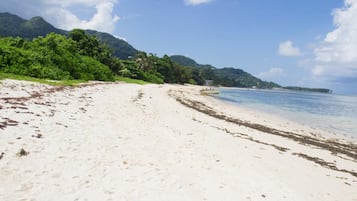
(154, 78)
(51, 57)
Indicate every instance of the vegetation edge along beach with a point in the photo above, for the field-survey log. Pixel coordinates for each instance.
(36, 48)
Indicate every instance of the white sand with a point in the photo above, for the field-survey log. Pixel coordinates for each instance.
(135, 143)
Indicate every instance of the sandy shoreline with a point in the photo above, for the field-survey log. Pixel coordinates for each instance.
(160, 142)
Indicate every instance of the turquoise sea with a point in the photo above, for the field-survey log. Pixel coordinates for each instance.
(330, 112)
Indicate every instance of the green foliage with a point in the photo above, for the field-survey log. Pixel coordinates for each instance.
(159, 70)
(185, 61)
(153, 77)
(12, 25)
(305, 89)
(89, 46)
(197, 77)
(229, 77)
(83, 57)
(85, 45)
(52, 57)
(232, 77)
(132, 69)
(89, 55)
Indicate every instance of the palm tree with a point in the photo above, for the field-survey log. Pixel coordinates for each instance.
(145, 62)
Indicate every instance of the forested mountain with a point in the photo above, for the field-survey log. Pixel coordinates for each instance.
(183, 60)
(232, 77)
(13, 25)
(121, 48)
(229, 77)
(39, 49)
(186, 61)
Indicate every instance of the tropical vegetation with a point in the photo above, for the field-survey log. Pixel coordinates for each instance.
(35, 48)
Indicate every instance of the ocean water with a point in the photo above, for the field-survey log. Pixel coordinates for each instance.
(330, 112)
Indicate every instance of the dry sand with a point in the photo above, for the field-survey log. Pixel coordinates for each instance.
(160, 142)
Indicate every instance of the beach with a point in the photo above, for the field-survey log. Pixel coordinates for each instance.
(118, 141)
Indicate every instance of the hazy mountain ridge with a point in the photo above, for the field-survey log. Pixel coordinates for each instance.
(187, 61)
(228, 76)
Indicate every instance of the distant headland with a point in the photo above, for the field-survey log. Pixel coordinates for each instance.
(319, 90)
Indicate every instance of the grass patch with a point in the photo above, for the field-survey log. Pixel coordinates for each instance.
(43, 81)
(130, 80)
(63, 82)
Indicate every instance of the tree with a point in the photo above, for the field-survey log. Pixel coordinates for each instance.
(144, 61)
(51, 57)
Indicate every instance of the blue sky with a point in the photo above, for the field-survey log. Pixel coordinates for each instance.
(306, 42)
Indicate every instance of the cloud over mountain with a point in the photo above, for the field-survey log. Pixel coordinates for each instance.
(67, 14)
(273, 73)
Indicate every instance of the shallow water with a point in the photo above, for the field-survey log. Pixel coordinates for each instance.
(330, 112)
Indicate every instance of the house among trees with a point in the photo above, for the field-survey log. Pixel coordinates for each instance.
(208, 82)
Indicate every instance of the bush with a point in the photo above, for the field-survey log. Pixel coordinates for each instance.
(153, 78)
(51, 57)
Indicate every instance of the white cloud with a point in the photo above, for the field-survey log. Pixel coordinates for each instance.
(287, 48)
(67, 3)
(273, 73)
(196, 2)
(61, 13)
(121, 38)
(336, 56)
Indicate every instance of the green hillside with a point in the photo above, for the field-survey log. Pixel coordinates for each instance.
(229, 77)
(186, 61)
(13, 25)
(42, 55)
(121, 48)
